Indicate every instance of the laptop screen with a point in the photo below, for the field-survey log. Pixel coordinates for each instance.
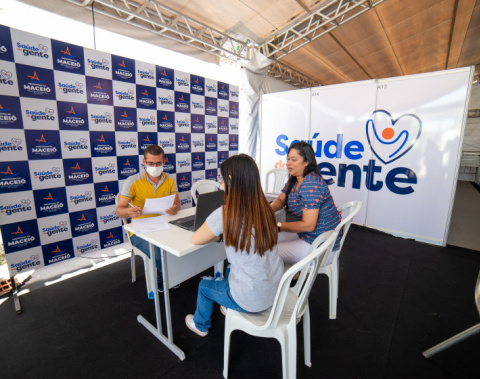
(206, 204)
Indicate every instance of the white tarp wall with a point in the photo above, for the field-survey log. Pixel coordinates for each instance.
(395, 144)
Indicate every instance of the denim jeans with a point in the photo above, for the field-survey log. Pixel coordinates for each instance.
(211, 291)
(144, 247)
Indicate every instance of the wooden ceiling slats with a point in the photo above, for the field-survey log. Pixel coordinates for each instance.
(419, 59)
(462, 21)
(393, 12)
(353, 72)
(382, 63)
(370, 45)
(417, 24)
(470, 54)
(359, 29)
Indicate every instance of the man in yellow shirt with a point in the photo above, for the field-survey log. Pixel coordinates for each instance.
(153, 183)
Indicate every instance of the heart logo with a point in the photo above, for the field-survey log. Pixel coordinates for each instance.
(43, 48)
(111, 165)
(390, 139)
(105, 62)
(34, 257)
(25, 202)
(63, 224)
(83, 141)
(130, 92)
(108, 115)
(49, 111)
(78, 85)
(16, 141)
(5, 74)
(88, 193)
(56, 169)
(133, 140)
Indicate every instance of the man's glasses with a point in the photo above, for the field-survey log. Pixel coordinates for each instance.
(154, 164)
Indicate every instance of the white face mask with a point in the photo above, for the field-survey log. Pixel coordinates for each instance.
(155, 171)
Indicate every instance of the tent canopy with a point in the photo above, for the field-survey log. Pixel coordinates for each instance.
(328, 41)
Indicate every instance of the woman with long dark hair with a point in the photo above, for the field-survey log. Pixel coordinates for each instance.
(248, 225)
(307, 197)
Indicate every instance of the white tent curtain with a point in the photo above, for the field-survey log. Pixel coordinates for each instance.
(253, 77)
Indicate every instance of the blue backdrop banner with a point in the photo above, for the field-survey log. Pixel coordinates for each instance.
(74, 124)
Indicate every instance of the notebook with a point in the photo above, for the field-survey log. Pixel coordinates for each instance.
(206, 204)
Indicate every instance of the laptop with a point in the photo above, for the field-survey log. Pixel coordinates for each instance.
(206, 204)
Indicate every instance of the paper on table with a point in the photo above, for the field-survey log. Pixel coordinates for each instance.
(149, 225)
(158, 205)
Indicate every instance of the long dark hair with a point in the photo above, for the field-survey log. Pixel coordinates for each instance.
(247, 212)
(305, 150)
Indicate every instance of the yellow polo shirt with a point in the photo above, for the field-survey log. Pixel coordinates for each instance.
(137, 188)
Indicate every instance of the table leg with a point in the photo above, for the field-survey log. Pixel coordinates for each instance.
(16, 301)
(158, 332)
(166, 296)
(158, 315)
(452, 341)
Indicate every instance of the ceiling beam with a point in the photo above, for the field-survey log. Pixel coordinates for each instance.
(287, 74)
(318, 22)
(166, 22)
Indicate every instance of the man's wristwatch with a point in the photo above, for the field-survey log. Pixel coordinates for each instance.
(279, 226)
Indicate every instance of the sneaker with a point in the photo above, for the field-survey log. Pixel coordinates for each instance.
(160, 287)
(160, 281)
(191, 325)
(223, 310)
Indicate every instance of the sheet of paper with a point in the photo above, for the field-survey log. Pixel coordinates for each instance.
(149, 225)
(158, 205)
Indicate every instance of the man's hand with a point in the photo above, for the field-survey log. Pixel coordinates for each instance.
(134, 212)
(173, 210)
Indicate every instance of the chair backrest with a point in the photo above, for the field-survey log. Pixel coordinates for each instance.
(348, 211)
(295, 298)
(124, 220)
(203, 186)
(280, 176)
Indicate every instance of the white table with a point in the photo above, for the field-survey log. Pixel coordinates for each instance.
(180, 261)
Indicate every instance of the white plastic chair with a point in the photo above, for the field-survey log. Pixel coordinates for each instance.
(348, 211)
(203, 186)
(280, 176)
(290, 304)
(149, 275)
(460, 336)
